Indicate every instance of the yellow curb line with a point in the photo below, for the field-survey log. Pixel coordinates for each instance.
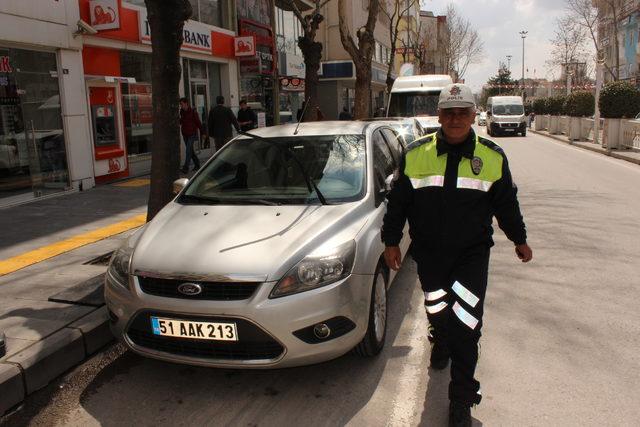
(140, 182)
(26, 259)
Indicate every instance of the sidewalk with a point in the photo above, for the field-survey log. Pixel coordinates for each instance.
(628, 155)
(53, 256)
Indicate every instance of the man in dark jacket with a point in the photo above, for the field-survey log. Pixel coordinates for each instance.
(449, 187)
(220, 120)
(190, 124)
(247, 118)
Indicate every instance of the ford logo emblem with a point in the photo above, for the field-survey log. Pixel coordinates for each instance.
(190, 289)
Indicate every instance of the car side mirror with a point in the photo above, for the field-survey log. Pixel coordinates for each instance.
(179, 184)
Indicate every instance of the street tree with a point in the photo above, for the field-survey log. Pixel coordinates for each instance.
(361, 54)
(420, 48)
(569, 49)
(166, 22)
(463, 46)
(311, 52)
(396, 11)
(500, 84)
(589, 15)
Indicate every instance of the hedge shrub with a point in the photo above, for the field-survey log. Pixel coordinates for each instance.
(619, 100)
(555, 105)
(540, 106)
(580, 104)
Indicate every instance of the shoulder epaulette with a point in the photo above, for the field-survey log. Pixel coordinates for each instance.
(421, 141)
(488, 143)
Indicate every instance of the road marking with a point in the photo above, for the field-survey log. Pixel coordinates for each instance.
(26, 259)
(139, 182)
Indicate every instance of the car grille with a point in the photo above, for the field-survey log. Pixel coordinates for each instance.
(213, 291)
(253, 343)
(509, 125)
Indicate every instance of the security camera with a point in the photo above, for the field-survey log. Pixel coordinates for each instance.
(85, 28)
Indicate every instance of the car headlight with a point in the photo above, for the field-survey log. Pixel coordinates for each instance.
(118, 271)
(320, 268)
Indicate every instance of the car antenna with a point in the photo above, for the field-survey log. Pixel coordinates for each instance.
(304, 110)
(310, 184)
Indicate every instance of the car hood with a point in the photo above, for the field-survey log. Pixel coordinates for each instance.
(256, 243)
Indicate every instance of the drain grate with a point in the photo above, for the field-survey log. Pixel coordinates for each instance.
(101, 260)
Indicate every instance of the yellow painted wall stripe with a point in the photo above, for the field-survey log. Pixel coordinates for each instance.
(26, 259)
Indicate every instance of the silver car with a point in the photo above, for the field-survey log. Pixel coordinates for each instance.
(269, 257)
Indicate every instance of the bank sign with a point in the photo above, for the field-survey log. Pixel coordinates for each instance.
(197, 36)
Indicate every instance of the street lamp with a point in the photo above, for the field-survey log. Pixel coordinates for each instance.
(523, 34)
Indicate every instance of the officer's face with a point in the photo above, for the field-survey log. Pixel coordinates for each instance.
(456, 123)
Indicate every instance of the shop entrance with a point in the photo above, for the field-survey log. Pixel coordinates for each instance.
(200, 102)
(33, 159)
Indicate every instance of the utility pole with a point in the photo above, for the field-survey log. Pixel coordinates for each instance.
(523, 34)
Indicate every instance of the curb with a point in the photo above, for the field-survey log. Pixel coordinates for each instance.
(586, 147)
(35, 366)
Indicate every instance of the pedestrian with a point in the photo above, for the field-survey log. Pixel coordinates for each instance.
(345, 115)
(189, 126)
(247, 118)
(221, 118)
(449, 186)
(532, 117)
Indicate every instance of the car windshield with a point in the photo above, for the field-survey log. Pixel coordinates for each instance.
(508, 110)
(412, 104)
(263, 171)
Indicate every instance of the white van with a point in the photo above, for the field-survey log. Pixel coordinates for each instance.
(505, 114)
(417, 96)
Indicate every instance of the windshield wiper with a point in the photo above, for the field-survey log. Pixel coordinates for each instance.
(190, 199)
(311, 185)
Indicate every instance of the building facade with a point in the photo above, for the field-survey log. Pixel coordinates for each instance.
(75, 107)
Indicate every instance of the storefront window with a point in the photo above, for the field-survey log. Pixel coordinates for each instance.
(254, 10)
(211, 12)
(136, 102)
(32, 146)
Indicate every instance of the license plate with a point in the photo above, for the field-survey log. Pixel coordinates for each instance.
(214, 331)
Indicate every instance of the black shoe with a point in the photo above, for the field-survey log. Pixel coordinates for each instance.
(184, 171)
(439, 357)
(195, 168)
(459, 414)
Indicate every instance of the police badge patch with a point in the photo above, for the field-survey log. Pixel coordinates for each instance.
(476, 165)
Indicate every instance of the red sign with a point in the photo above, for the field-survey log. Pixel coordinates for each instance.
(5, 66)
(245, 46)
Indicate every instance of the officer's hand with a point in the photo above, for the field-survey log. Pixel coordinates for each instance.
(524, 252)
(393, 257)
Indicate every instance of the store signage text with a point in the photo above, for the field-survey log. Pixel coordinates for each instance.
(196, 36)
(5, 66)
(105, 14)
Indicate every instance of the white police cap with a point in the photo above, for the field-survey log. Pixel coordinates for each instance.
(456, 95)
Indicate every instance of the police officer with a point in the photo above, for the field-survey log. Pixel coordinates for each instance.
(449, 187)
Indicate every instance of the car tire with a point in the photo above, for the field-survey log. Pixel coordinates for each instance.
(524, 132)
(376, 333)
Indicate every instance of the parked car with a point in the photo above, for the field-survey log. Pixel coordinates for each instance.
(409, 129)
(269, 257)
(482, 118)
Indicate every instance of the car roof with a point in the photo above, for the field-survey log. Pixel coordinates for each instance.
(336, 127)
(425, 82)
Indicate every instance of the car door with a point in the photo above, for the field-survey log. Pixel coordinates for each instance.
(394, 142)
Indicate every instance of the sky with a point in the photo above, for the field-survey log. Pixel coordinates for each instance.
(498, 22)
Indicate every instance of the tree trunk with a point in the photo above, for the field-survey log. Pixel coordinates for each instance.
(363, 91)
(166, 22)
(312, 53)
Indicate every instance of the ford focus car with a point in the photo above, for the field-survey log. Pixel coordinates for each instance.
(269, 257)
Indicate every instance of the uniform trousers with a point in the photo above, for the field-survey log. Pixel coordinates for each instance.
(455, 282)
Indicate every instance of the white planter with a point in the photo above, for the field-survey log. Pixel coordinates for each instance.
(574, 133)
(554, 125)
(611, 135)
(539, 122)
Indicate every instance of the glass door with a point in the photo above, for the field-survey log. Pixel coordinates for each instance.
(200, 102)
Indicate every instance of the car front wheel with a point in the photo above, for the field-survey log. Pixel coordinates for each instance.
(374, 338)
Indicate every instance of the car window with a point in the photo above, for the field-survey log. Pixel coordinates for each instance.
(383, 162)
(252, 170)
(395, 143)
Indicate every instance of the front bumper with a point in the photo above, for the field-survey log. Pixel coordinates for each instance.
(269, 323)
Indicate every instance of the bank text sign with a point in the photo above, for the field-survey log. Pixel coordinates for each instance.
(196, 36)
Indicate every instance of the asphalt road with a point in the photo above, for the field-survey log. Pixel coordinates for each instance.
(561, 342)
